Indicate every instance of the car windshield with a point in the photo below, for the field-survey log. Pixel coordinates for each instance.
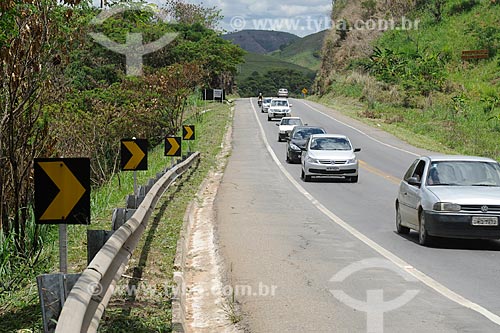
(279, 103)
(330, 144)
(267, 100)
(291, 122)
(304, 134)
(463, 173)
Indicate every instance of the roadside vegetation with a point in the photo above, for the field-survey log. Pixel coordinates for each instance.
(414, 82)
(62, 94)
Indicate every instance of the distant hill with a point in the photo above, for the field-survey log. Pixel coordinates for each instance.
(303, 51)
(263, 63)
(260, 41)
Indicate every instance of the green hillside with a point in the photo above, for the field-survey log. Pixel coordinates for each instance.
(304, 51)
(415, 83)
(260, 41)
(266, 74)
(263, 63)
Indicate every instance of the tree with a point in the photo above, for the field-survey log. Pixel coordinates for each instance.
(34, 38)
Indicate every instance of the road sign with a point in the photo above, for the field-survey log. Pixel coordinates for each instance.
(188, 132)
(173, 146)
(134, 154)
(304, 91)
(62, 190)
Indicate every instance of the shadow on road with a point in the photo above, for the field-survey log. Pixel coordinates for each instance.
(456, 243)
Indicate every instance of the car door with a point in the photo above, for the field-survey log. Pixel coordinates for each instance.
(409, 197)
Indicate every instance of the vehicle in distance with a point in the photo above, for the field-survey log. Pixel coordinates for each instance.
(279, 108)
(282, 92)
(297, 140)
(286, 125)
(450, 196)
(266, 102)
(329, 155)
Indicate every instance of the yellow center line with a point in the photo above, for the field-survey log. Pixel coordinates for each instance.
(378, 172)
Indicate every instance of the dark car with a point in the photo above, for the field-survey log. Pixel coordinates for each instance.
(297, 141)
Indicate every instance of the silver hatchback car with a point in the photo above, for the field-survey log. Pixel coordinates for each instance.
(450, 196)
(329, 155)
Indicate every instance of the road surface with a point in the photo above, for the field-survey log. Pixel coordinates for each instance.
(324, 256)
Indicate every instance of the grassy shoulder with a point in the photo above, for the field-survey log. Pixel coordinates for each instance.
(20, 309)
(142, 303)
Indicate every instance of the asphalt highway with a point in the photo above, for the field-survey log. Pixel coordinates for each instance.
(327, 251)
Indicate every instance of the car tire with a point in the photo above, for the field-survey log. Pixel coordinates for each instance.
(269, 118)
(305, 177)
(423, 237)
(279, 138)
(400, 229)
(288, 160)
(353, 179)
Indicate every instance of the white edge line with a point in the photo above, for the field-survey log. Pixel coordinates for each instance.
(359, 131)
(427, 280)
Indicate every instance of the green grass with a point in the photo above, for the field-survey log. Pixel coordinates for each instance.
(20, 310)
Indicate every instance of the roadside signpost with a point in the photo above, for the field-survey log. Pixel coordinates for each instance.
(188, 134)
(62, 196)
(304, 92)
(173, 147)
(134, 156)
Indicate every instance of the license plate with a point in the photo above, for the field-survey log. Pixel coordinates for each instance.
(485, 221)
(332, 168)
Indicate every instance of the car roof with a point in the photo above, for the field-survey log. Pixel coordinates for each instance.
(328, 136)
(296, 128)
(290, 118)
(440, 158)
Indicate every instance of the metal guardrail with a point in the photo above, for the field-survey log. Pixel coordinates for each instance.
(89, 297)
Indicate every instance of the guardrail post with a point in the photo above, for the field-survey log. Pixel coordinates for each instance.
(52, 291)
(95, 241)
(120, 216)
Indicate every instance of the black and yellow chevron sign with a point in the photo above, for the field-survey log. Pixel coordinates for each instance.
(134, 154)
(188, 132)
(173, 146)
(62, 190)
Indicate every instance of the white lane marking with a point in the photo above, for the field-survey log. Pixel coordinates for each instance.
(427, 280)
(359, 131)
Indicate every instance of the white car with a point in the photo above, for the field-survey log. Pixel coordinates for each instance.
(286, 125)
(283, 92)
(266, 103)
(329, 155)
(279, 108)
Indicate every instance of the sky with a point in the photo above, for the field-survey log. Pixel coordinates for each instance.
(300, 17)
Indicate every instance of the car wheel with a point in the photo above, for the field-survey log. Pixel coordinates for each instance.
(423, 237)
(305, 177)
(279, 138)
(288, 160)
(400, 228)
(353, 179)
(269, 118)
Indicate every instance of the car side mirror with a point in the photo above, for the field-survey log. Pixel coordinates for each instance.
(277, 124)
(290, 105)
(414, 181)
(357, 150)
